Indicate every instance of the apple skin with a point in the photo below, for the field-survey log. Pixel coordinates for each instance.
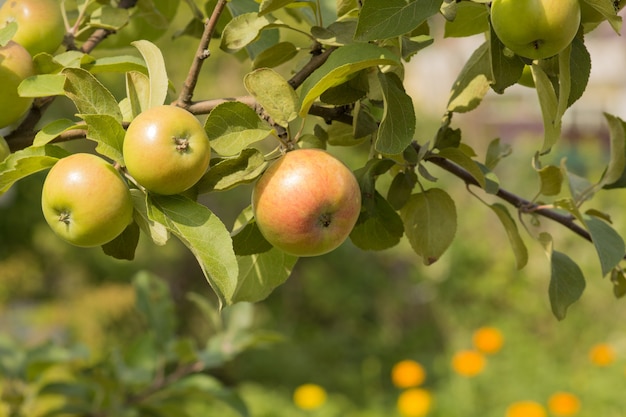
(535, 29)
(16, 64)
(166, 149)
(306, 203)
(86, 201)
(40, 26)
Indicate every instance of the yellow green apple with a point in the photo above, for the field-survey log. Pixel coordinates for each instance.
(166, 149)
(16, 64)
(86, 201)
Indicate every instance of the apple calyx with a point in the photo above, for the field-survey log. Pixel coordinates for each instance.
(182, 144)
(64, 217)
(325, 219)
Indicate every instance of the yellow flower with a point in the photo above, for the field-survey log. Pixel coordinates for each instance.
(309, 396)
(563, 404)
(407, 373)
(488, 340)
(526, 409)
(602, 354)
(414, 402)
(468, 363)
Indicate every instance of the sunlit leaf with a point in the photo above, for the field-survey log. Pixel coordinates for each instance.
(156, 70)
(26, 162)
(384, 19)
(229, 172)
(471, 19)
(89, 95)
(517, 244)
(274, 94)
(472, 83)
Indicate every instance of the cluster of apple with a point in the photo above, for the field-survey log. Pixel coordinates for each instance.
(306, 203)
(40, 28)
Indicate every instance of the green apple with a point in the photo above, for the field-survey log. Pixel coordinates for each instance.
(4, 149)
(40, 26)
(86, 201)
(306, 203)
(16, 64)
(535, 29)
(166, 149)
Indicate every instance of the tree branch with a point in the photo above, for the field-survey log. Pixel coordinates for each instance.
(202, 53)
(518, 202)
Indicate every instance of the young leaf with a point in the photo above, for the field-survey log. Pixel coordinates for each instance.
(53, 129)
(472, 83)
(206, 237)
(398, 122)
(89, 95)
(519, 248)
(274, 94)
(233, 126)
(156, 70)
(384, 19)
(229, 172)
(261, 273)
(342, 65)
(551, 180)
(26, 162)
(108, 133)
(495, 152)
(43, 85)
(430, 223)
(617, 163)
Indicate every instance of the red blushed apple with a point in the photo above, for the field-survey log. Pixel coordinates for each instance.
(306, 203)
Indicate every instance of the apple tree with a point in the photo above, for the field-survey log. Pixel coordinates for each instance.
(311, 83)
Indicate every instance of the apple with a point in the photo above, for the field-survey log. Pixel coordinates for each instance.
(306, 203)
(4, 149)
(16, 64)
(86, 201)
(166, 149)
(535, 29)
(40, 25)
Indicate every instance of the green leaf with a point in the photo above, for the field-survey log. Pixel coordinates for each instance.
(495, 152)
(26, 162)
(274, 94)
(397, 126)
(549, 104)
(138, 93)
(108, 17)
(53, 129)
(580, 69)
(506, 69)
(567, 281)
(117, 64)
(619, 282)
(430, 223)
(268, 6)
(248, 239)
(233, 126)
(608, 243)
(108, 133)
(471, 19)
(154, 301)
(608, 11)
(275, 55)
(411, 46)
(401, 189)
(227, 173)
(206, 237)
(156, 70)
(123, 246)
(43, 85)
(155, 230)
(7, 32)
(384, 19)
(336, 34)
(342, 65)
(461, 159)
(519, 248)
(472, 83)
(378, 227)
(244, 29)
(261, 273)
(89, 95)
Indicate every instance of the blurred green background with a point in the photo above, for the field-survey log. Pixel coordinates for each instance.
(346, 318)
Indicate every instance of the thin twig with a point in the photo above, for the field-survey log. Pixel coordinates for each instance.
(202, 53)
